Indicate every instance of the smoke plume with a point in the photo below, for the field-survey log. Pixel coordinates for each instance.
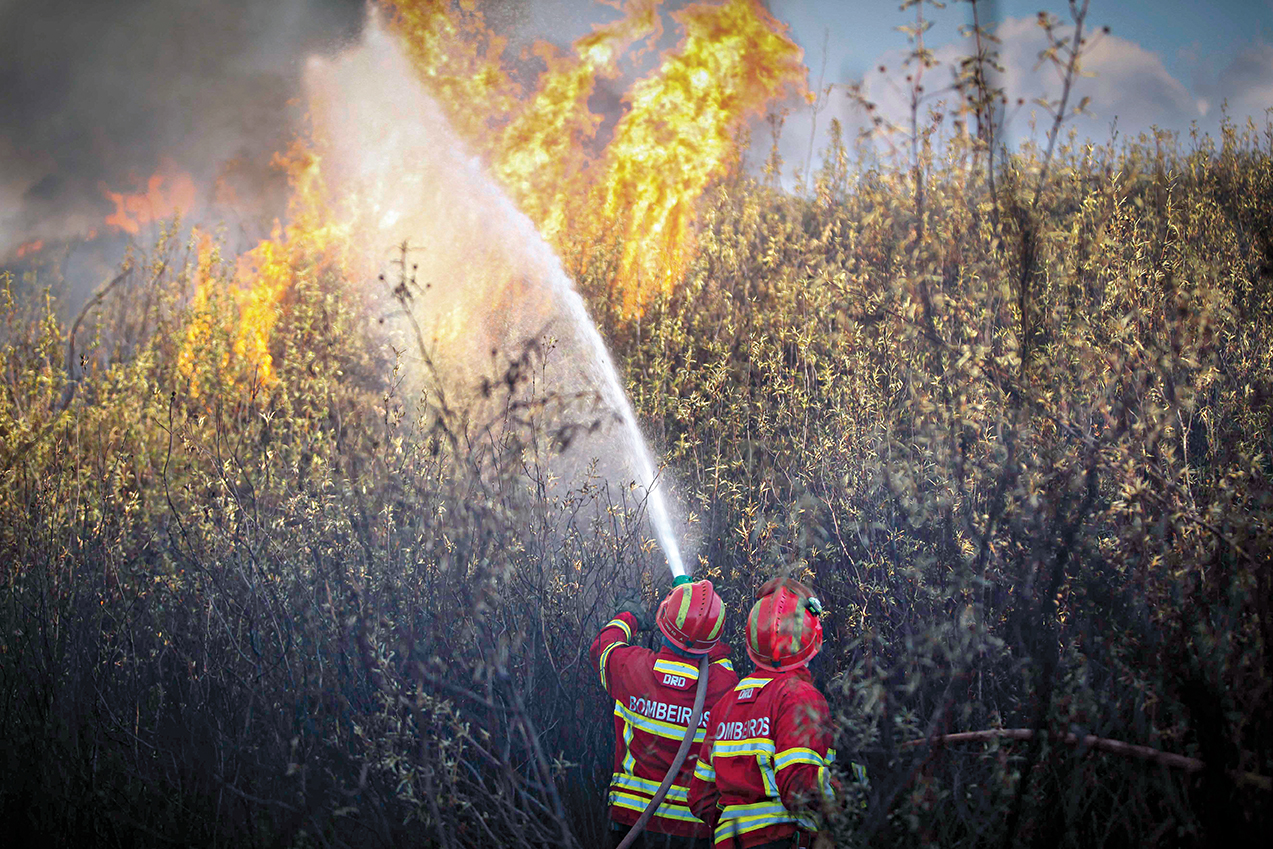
(98, 96)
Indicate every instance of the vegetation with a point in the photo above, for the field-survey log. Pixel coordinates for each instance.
(1012, 417)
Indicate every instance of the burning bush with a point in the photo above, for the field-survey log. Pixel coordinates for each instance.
(1010, 417)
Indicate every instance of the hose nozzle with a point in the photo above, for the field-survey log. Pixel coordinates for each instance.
(681, 579)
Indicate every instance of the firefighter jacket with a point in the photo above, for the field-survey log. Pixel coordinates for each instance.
(763, 769)
(653, 696)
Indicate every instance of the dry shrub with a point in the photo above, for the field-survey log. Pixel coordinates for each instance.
(1021, 447)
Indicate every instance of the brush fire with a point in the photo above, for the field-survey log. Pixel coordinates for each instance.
(438, 423)
(638, 186)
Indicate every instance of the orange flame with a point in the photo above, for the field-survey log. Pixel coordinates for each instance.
(169, 192)
(679, 135)
(640, 187)
(676, 137)
(32, 247)
(541, 158)
(263, 277)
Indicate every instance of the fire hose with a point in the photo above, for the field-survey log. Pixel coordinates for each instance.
(700, 696)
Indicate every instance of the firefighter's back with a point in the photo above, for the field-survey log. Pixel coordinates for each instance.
(654, 693)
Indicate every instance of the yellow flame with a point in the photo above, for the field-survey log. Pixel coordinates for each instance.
(460, 60)
(640, 188)
(199, 330)
(312, 242)
(677, 136)
(541, 154)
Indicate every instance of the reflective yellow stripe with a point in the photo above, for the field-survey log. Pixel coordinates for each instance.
(657, 727)
(754, 683)
(750, 747)
(765, 808)
(824, 784)
(686, 596)
(619, 623)
(720, 621)
(724, 661)
(605, 655)
(636, 784)
(744, 819)
(798, 755)
(766, 766)
(704, 771)
(667, 810)
(629, 762)
(675, 667)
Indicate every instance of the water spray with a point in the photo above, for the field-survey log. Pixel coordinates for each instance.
(388, 145)
(660, 519)
(392, 159)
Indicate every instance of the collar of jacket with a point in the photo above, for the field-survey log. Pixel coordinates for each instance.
(801, 672)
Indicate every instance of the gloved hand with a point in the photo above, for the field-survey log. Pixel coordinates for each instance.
(630, 602)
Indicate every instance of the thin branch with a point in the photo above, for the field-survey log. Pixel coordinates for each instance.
(1092, 742)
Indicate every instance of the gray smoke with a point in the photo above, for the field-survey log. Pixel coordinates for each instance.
(96, 93)
(100, 94)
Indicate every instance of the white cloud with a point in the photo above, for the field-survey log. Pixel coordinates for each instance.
(1246, 83)
(1126, 82)
(1129, 87)
(1123, 81)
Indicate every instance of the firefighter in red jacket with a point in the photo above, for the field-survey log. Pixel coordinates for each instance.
(763, 770)
(653, 694)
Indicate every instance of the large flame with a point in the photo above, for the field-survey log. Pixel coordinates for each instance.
(679, 135)
(637, 189)
(541, 156)
(676, 137)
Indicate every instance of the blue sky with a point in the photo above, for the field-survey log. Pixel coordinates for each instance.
(1180, 32)
(1165, 63)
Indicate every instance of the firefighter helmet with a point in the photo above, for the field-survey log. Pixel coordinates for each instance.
(783, 630)
(691, 616)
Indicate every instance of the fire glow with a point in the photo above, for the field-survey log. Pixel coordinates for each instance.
(678, 134)
(637, 190)
(538, 147)
(169, 192)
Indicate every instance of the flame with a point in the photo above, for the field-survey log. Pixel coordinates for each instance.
(638, 187)
(541, 154)
(200, 328)
(677, 136)
(262, 278)
(461, 61)
(169, 192)
(32, 247)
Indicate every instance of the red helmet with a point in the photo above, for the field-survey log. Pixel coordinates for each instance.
(691, 616)
(783, 630)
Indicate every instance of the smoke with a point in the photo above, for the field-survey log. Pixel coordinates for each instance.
(98, 95)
